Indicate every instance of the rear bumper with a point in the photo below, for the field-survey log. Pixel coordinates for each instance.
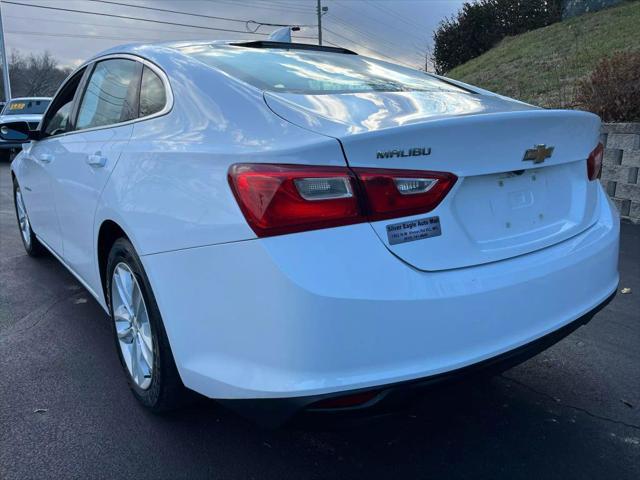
(275, 412)
(332, 310)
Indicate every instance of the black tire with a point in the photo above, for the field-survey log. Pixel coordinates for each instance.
(33, 247)
(166, 391)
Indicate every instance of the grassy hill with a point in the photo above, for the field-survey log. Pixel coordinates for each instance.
(542, 66)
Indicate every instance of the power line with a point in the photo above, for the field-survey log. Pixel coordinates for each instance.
(360, 12)
(76, 35)
(166, 10)
(377, 20)
(369, 36)
(139, 19)
(332, 44)
(191, 14)
(271, 6)
(296, 4)
(112, 15)
(388, 11)
(156, 30)
(393, 60)
(365, 34)
(368, 48)
(163, 22)
(96, 37)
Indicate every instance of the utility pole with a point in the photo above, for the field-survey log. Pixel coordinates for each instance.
(320, 10)
(5, 62)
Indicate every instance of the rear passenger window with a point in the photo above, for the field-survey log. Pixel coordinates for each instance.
(110, 96)
(152, 95)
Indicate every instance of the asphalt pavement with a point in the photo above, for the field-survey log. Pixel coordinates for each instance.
(66, 411)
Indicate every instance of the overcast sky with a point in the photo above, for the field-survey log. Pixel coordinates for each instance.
(398, 30)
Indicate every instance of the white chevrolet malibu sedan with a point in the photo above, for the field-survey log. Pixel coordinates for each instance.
(289, 228)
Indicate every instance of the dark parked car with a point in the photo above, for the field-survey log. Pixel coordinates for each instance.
(25, 109)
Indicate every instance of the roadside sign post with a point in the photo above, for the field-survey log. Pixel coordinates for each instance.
(5, 62)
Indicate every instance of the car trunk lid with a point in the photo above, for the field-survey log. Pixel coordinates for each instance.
(502, 205)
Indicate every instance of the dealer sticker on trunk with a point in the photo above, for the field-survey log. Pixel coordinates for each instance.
(413, 230)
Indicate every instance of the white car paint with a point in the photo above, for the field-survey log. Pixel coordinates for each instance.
(338, 308)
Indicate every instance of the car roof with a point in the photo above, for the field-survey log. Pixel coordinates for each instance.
(178, 46)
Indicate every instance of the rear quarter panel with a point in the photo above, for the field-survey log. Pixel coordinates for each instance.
(170, 191)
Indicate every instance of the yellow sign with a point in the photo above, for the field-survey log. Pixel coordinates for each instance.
(17, 106)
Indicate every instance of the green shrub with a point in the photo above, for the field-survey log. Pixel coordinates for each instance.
(480, 25)
(612, 90)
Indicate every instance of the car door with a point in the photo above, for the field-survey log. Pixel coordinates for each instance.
(38, 164)
(102, 128)
(37, 191)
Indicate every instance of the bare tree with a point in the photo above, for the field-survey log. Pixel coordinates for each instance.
(35, 75)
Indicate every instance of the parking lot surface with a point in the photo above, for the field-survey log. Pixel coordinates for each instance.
(66, 411)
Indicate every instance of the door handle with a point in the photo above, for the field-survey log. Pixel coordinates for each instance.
(97, 160)
(45, 157)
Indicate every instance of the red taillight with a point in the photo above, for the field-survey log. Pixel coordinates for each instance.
(594, 162)
(400, 193)
(278, 199)
(271, 197)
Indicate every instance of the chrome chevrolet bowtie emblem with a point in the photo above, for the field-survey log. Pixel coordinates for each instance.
(538, 154)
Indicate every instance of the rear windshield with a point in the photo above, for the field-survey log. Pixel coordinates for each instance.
(313, 72)
(26, 107)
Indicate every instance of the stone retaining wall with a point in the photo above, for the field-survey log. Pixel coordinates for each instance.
(621, 165)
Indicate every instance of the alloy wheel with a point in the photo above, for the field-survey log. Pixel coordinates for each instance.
(23, 219)
(132, 325)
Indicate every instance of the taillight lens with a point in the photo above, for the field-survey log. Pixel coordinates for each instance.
(400, 193)
(279, 199)
(594, 162)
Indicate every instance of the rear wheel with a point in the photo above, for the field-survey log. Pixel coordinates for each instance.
(141, 341)
(31, 244)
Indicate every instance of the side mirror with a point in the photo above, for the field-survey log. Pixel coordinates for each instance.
(18, 132)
